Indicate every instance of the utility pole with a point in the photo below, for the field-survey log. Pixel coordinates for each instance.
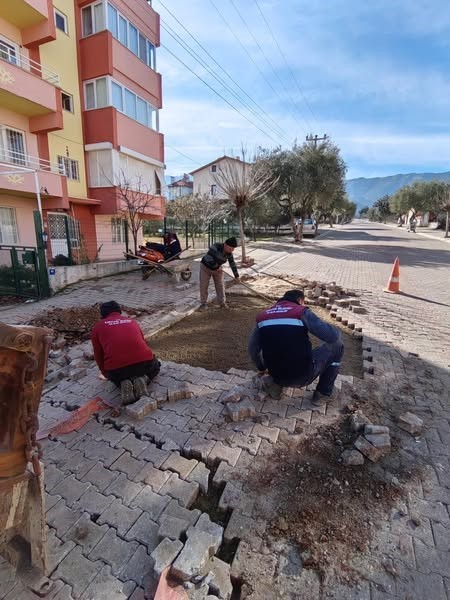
(315, 138)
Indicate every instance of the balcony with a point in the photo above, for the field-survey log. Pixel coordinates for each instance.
(25, 13)
(29, 88)
(112, 203)
(17, 176)
(109, 125)
(102, 54)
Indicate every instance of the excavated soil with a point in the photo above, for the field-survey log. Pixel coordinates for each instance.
(217, 338)
(74, 324)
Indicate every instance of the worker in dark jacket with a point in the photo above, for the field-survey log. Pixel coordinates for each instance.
(122, 354)
(280, 344)
(211, 266)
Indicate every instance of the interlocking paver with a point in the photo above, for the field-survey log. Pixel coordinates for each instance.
(85, 533)
(100, 476)
(61, 517)
(78, 571)
(124, 489)
(119, 516)
(155, 478)
(139, 565)
(134, 446)
(106, 587)
(145, 531)
(128, 465)
(186, 493)
(150, 502)
(113, 550)
(93, 501)
(178, 464)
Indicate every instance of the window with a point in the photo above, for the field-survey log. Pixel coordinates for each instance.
(130, 104)
(8, 226)
(142, 116)
(123, 31)
(69, 168)
(213, 189)
(12, 146)
(151, 55)
(93, 18)
(74, 232)
(116, 230)
(117, 98)
(213, 168)
(67, 102)
(113, 24)
(157, 185)
(96, 93)
(61, 21)
(133, 37)
(142, 48)
(9, 52)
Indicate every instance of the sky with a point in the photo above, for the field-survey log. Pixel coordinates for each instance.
(372, 75)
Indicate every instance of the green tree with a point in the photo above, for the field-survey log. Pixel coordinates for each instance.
(363, 211)
(306, 177)
(382, 208)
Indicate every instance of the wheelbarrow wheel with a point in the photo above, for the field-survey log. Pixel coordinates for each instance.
(186, 275)
(145, 273)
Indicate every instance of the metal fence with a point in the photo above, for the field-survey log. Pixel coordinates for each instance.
(19, 272)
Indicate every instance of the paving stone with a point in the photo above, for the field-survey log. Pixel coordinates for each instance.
(230, 497)
(100, 476)
(57, 550)
(114, 551)
(106, 587)
(186, 493)
(410, 423)
(268, 433)
(175, 510)
(178, 464)
(128, 465)
(239, 526)
(233, 396)
(85, 533)
(138, 410)
(246, 442)
(172, 528)
(124, 489)
(358, 421)
(71, 489)
(352, 458)
(50, 501)
(238, 411)
(178, 437)
(382, 441)
(366, 448)
(223, 474)
(61, 517)
(77, 571)
(205, 524)
(220, 584)
(145, 531)
(222, 452)
(138, 567)
(200, 474)
(155, 478)
(138, 594)
(152, 503)
(413, 584)
(194, 557)
(153, 430)
(119, 516)
(154, 455)
(164, 554)
(375, 429)
(95, 450)
(199, 448)
(94, 502)
(53, 476)
(133, 445)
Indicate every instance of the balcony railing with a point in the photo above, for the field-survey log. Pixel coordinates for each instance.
(11, 55)
(20, 159)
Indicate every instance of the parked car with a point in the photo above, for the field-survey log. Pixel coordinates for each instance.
(309, 227)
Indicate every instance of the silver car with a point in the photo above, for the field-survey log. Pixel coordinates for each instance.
(309, 227)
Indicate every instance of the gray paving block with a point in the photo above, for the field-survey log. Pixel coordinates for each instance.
(124, 489)
(186, 493)
(61, 517)
(138, 567)
(134, 446)
(150, 502)
(71, 489)
(178, 464)
(195, 555)
(172, 528)
(213, 529)
(57, 550)
(94, 502)
(106, 587)
(153, 477)
(86, 533)
(128, 465)
(77, 571)
(200, 474)
(100, 476)
(175, 510)
(164, 554)
(221, 452)
(114, 551)
(154, 455)
(145, 531)
(119, 516)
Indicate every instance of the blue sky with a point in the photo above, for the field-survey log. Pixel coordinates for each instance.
(374, 74)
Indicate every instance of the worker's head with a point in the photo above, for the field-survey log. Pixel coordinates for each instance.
(230, 245)
(296, 296)
(109, 307)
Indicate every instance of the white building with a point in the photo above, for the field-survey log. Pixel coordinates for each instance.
(204, 177)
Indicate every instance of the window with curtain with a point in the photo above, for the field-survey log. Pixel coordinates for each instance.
(116, 230)
(9, 233)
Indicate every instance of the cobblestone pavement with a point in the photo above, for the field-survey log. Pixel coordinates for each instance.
(121, 492)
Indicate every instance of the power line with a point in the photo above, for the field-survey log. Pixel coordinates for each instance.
(181, 154)
(269, 83)
(218, 93)
(286, 62)
(270, 64)
(217, 77)
(258, 106)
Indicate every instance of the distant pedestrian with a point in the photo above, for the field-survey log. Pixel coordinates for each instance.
(122, 354)
(211, 266)
(280, 344)
(400, 221)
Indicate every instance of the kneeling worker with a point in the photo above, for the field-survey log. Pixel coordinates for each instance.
(211, 266)
(122, 354)
(280, 344)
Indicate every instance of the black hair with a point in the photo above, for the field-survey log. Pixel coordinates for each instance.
(293, 296)
(109, 307)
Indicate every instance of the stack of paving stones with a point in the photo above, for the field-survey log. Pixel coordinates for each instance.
(121, 492)
(373, 441)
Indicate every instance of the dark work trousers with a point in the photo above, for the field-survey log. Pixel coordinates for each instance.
(326, 360)
(149, 367)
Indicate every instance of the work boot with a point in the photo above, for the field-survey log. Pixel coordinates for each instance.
(224, 305)
(140, 387)
(126, 392)
(203, 306)
(270, 387)
(318, 398)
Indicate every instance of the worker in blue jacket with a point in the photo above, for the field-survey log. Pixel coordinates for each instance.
(280, 344)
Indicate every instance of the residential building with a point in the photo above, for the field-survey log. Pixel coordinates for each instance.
(79, 102)
(179, 187)
(204, 177)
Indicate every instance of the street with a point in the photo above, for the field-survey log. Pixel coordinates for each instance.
(117, 487)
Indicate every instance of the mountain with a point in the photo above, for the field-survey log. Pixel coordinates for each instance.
(365, 191)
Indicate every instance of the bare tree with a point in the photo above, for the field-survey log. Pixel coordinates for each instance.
(135, 198)
(243, 184)
(199, 210)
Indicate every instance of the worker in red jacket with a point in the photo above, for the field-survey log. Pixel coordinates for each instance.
(122, 354)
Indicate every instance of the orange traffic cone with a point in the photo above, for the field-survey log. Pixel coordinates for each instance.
(394, 280)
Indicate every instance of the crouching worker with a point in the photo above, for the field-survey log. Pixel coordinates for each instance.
(122, 354)
(280, 344)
